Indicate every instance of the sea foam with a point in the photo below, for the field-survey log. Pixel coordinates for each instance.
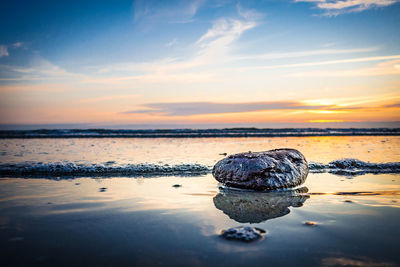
(106, 169)
(346, 167)
(350, 167)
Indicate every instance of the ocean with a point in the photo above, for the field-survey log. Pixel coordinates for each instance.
(148, 197)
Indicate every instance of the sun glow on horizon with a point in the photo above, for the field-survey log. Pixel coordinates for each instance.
(229, 63)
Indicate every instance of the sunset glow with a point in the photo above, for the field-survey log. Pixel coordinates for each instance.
(200, 62)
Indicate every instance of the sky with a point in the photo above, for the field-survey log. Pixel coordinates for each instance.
(181, 62)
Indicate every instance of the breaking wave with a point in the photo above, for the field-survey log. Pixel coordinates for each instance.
(346, 167)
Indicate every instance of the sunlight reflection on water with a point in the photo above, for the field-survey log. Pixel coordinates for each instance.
(147, 220)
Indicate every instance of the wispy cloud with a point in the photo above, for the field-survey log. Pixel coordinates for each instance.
(197, 108)
(108, 98)
(215, 43)
(338, 7)
(328, 62)
(225, 31)
(307, 53)
(351, 102)
(24, 88)
(40, 69)
(171, 43)
(3, 51)
(322, 106)
(390, 67)
(340, 61)
(213, 47)
(177, 11)
(249, 14)
(18, 44)
(395, 105)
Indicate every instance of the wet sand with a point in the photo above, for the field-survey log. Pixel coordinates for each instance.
(147, 221)
(329, 220)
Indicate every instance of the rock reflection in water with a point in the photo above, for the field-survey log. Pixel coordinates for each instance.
(256, 207)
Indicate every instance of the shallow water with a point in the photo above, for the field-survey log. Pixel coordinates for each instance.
(147, 221)
(194, 150)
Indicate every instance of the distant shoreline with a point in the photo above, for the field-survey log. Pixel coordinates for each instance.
(197, 133)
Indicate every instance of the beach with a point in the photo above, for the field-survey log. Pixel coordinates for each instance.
(154, 201)
(200, 133)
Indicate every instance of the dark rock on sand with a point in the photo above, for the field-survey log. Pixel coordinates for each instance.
(256, 207)
(243, 233)
(177, 185)
(267, 170)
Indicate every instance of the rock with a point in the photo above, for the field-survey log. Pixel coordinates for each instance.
(243, 233)
(177, 185)
(257, 207)
(267, 170)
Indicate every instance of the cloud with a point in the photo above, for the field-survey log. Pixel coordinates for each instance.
(4, 48)
(18, 44)
(308, 53)
(171, 43)
(396, 105)
(3, 51)
(23, 88)
(177, 11)
(249, 14)
(226, 29)
(322, 106)
(350, 103)
(394, 66)
(338, 7)
(39, 69)
(108, 98)
(197, 108)
(213, 47)
(390, 67)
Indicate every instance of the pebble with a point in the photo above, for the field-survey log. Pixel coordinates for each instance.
(243, 233)
(310, 223)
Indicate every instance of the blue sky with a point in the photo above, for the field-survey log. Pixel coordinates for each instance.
(233, 61)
